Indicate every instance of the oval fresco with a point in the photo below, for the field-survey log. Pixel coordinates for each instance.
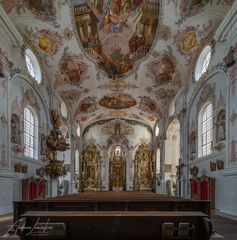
(117, 101)
(116, 33)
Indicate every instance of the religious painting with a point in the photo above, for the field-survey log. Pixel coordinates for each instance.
(87, 105)
(44, 9)
(71, 70)
(147, 104)
(164, 71)
(115, 33)
(117, 101)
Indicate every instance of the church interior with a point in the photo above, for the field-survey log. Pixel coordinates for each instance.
(118, 118)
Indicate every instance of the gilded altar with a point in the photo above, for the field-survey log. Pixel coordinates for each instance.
(144, 168)
(117, 169)
(90, 168)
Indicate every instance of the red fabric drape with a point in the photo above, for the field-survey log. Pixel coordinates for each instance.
(32, 190)
(204, 190)
(194, 187)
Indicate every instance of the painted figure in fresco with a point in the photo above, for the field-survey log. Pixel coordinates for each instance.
(221, 126)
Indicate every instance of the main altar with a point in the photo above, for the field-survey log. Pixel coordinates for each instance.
(93, 169)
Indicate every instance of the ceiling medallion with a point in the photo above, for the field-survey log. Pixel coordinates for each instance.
(116, 34)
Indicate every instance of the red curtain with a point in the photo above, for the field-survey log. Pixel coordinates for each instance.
(195, 189)
(32, 190)
(204, 190)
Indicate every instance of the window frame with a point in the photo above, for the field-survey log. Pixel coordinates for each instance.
(204, 149)
(33, 66)
(31, 133)
(77, 162)
(203, 62)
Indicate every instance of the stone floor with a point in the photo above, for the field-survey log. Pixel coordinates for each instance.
(225, 228)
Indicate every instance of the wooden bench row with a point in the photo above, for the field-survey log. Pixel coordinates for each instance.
(105, 225)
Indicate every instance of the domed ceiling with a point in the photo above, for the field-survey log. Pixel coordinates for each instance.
(117, 58)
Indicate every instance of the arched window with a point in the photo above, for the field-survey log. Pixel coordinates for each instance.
(157, 130)
(64, 109)
(78, 130)
(158, 161)
(30, 134)
(205, 130)
(33, 65)
(77, 162)
(203, 62)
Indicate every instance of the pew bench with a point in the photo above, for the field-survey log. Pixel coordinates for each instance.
(119, 225)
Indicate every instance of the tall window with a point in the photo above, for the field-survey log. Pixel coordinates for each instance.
(30, 134)
(158, 161)
(203, 62)
(77, 162)
(207, 129)
(32, 65)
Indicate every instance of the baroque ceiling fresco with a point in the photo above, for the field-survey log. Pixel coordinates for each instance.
(117, 58)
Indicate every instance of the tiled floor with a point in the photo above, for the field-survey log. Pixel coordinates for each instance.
(224, 228)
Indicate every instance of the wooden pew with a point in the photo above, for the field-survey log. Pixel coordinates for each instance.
(112, 201)
(119, 225)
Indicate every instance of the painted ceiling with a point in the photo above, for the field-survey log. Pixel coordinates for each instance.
(117, 58)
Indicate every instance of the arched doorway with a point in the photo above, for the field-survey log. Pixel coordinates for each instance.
(117, 169)
(172, 155)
